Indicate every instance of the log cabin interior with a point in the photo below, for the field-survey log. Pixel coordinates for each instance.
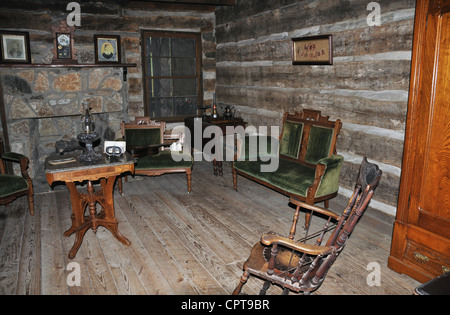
(382, 73)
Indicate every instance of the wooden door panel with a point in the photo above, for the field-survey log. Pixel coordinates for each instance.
(433, 186)
(421, 239)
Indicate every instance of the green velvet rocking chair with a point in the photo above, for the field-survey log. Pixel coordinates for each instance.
(14, 186)
(144, 140)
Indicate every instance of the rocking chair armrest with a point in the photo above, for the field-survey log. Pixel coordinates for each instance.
(270, 239)
(305, 205)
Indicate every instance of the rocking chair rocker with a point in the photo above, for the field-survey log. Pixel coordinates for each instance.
(301, 267)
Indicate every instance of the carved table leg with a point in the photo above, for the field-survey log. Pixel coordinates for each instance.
(78, 223)
(109, 221)
(215, 166)
(219, 164)
(106, 218)
(189, 180)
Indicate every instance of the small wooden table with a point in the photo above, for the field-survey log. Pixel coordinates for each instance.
(106, 171)
(219, 122)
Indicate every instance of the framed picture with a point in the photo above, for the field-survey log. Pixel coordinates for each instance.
(314, 50)
(15, 47)
(107, 48)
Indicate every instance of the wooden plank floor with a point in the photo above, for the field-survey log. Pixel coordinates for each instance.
(180, 243)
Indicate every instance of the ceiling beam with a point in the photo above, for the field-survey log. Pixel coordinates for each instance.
(202, 2)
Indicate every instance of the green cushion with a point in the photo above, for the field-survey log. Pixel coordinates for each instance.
(252, 149)
(140, 137)
(296, 178)
(10, 184)
(163, 160)
(319, 144)
(291, 138)
(290, 176)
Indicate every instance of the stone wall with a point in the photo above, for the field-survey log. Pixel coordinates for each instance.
(43, 105)
(366, 87)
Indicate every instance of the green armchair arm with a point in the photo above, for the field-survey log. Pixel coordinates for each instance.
(12, 156)
(327, 175)
(18, 158)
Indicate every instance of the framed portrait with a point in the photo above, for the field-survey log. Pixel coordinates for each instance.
(107, 48)
(15, 47)
(314, 50)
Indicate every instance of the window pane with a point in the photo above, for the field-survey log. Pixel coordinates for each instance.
(171, 74)
(161, 107)
(184, 67)
(184, 87)
(158, 67)
(160, 87)
(183, 47)
(185, 106)
(158, 47)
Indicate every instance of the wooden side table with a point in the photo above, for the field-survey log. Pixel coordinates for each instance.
(219, 122)
(106, 172)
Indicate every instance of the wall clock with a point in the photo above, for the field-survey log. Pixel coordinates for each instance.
(63, 50)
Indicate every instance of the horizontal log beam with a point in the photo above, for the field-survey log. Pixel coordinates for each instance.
(202, 2)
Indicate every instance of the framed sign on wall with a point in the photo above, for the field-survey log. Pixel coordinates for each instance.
(314, 50)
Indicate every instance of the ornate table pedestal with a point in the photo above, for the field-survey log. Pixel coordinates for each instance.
(106, 172)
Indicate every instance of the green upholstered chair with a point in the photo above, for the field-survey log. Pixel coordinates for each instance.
(14, 186)
(144, 140)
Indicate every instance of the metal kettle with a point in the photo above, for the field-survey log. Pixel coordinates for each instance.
(228, 112)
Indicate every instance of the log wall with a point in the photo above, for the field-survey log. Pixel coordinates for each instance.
(366, 87)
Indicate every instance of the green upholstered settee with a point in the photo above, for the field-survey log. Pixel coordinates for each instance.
(308, 167)
(144, 139)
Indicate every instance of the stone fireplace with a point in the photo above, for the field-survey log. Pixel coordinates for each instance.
(43, 106)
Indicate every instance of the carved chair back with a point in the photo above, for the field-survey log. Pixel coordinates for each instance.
(307, 137)
(368, 179)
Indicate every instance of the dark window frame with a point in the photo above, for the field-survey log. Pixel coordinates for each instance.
(198, 66)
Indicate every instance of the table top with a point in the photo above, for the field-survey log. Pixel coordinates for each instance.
(79, 172)
(123, 159)
(218, 120)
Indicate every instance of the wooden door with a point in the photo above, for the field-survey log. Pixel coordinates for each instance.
(421, 241)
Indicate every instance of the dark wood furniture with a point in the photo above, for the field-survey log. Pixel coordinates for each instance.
(301, 267)
(438, 286)
(145, 138)
(106, 172)
(308, 168)
(421, 239)
(189, 123)
(14, 186)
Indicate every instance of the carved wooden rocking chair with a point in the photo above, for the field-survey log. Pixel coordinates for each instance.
(301, 267)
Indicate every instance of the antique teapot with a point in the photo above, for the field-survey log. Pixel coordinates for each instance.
(228, 112)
